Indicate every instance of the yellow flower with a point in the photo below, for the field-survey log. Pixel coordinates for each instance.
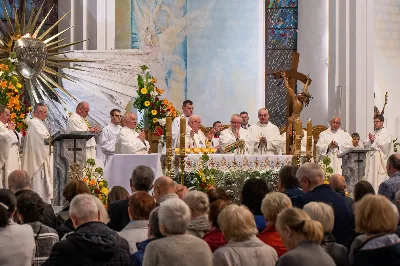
(29, 108)
(147, 103)
(153, 112)
(19, 85)
(203, 180)
(104, 190)
(100, 184)
(155, 120)
(143, 91)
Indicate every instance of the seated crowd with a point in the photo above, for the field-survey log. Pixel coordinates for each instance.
(307, 222)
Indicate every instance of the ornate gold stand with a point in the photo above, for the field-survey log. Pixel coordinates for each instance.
(182, 156)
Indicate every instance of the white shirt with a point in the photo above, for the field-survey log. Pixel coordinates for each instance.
(176, 125)
(227, 137)
(108, 138)
(78, 123)
(198, 140)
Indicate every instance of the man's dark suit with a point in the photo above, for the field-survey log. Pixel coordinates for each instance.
(343, 229)
(118, 214)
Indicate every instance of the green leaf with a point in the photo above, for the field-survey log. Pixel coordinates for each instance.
(144, 68)
(140, 82)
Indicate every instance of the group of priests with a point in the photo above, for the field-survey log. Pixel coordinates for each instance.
(121, 136)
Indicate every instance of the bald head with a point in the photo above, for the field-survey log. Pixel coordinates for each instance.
(335, 123)
(19, 180)
(162, 186)
(337, 182)
(82, 109)
(130, 120)
(263, 115)
(195, 122)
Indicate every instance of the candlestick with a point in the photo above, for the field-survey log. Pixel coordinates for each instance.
(168, 124)
(297, 143)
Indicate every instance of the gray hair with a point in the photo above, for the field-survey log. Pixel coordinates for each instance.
(18, 180)
(175, 216)
(102, 210)
(312, 171)
(142, 178)
(37, 105)
(321, 212)
(397, 196)
(84, 208)
(197, 201)
(154, 228)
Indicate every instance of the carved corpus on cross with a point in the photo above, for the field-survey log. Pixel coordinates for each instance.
(295, 102)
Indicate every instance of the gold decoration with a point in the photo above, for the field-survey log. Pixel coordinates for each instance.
(239, 144)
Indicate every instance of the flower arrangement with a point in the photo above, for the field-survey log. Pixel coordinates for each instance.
(204, 178)
(148, 100)
(93, 177)
(328, 170)
(12, 93)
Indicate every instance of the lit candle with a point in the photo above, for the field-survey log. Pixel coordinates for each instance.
(309, 138)
(182, 135)
(309, 127)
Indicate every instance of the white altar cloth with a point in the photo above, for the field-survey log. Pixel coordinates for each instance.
(232, 162)
(118, 170)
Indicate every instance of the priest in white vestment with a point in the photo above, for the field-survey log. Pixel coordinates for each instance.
(266, 136)
(187, 110)
(109, 134)
(381, 143)
(217, 128)
(13, 162)
(37, 160)
(194, 137)
(77, 122)
(6, 133)
(234, 133)
(333, 142)
(128, 140)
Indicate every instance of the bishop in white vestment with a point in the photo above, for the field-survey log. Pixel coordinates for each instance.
(187, 110)
(37, 160)
(128, 140)
(332, 142)
(77, 122)
(109, 134)
(266, 136)
(381, 143)
(236, 132)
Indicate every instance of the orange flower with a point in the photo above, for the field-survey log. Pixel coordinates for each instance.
(85, 179)
(160, 91)
(22, 116)
(92, 182)
(154, 80)
(13, 115)
(165, 102)
(3, 84)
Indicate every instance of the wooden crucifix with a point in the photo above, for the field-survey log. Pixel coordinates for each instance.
(295, 102)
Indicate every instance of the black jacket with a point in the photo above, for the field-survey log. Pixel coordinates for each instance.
(384, 256)
(48, 218)
(91, 244)
(338, 252)
(118, 214)
(343, 229)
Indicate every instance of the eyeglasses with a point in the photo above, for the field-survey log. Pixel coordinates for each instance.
(260, 115)
(117, 116)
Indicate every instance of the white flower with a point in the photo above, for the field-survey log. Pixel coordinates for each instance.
(12, 60)
(1, 73)
(154, 93)
(147, 71)
(162, 121)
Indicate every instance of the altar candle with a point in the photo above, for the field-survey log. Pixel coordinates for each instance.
(168, 127)
(298, 127)
(309, 128)
(183, 125)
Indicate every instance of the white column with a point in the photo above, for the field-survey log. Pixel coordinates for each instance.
(261, 63)
(110, 24)
(101, 24)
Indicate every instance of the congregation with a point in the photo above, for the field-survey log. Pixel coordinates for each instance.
(307, 222)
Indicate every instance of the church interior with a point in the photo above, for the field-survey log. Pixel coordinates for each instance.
(129, 127)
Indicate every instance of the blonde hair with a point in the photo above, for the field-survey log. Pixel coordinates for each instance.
(322, 213)
(273, 203)
(103, 212)
(299, 221)
(237, 223)
(197, 201)
(375, 214)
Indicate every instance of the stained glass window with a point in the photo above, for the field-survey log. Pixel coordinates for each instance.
(281, 19)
